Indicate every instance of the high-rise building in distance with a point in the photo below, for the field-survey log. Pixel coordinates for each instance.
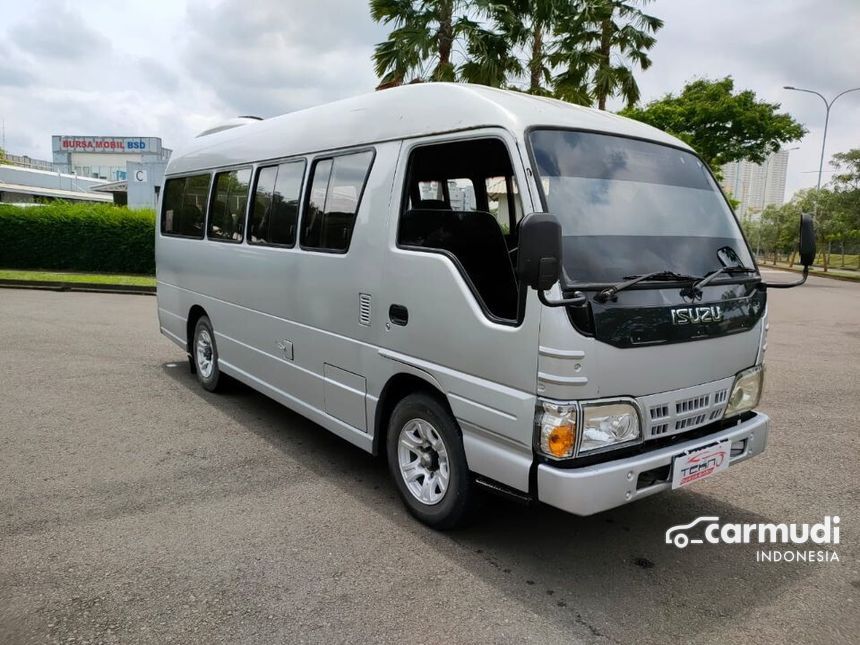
(756, 185)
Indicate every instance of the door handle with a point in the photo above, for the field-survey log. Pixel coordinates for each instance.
(398, 314)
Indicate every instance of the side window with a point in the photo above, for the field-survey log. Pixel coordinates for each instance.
(230, 199)
(171, 205)
(461, 193)
(432, 191)
(275, 209)
(458, 204)
(503, 201)
(184, 207)
(333, 200)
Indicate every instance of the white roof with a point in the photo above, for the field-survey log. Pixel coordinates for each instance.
(398, 113)
(112, 187)
(54, 192)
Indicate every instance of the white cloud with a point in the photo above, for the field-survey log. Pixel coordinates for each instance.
(765, 45)
(171, 68)
(56, 32)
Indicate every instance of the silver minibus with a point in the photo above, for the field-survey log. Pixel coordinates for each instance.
(494, 290)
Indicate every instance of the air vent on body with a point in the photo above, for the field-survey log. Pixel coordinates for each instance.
(364, 310)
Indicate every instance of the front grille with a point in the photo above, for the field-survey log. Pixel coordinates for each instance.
(691, 405)
(682, 410)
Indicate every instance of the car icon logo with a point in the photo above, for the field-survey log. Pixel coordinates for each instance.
(677, 535)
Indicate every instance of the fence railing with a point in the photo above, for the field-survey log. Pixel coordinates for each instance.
(27, 162)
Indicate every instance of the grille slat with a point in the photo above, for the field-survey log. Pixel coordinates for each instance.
(687, 409)
(660, 412)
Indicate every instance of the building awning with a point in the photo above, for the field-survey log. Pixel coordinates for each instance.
(112, 187)
(55, 193)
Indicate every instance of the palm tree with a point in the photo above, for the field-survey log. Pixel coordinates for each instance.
(601, 44)
(490, 59)
(424, 35)
(528, 27)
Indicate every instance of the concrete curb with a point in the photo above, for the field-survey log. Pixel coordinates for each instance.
(88, 287)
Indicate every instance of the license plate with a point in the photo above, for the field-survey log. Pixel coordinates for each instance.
(699, 464)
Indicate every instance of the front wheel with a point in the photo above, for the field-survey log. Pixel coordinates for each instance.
(427, 462)
(205, 355)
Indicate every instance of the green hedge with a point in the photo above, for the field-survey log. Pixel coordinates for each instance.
(77, 237)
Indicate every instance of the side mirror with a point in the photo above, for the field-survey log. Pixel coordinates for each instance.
(539, 252)
(807, 240)
(807, 253)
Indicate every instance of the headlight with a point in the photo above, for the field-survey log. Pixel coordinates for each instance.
(557, 430)
(746, 392)
(607, 425)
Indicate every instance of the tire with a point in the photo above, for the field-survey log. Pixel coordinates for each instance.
(424, 443)
(204, 355)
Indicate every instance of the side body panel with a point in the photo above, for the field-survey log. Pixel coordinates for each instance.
(294, 324)
(286, 320)
(485, 369)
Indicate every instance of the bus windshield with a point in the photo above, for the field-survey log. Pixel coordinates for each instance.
(629, 207)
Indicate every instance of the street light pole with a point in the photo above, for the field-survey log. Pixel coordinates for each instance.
(827, 106)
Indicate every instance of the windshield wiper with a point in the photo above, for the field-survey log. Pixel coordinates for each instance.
(722, 270)
(629, 281)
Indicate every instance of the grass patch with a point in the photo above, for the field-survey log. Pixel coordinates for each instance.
(118, 279)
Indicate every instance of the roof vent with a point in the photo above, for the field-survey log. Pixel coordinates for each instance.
(235, 122)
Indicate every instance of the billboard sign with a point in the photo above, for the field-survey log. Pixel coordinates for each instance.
(64, 143)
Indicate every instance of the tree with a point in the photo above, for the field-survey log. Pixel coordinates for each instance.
(821, 202)
(775, 231)
(721, 125)
(577, 50)
(847, 167)
(2, 156)
(599, 47)
(528, 29)
(421, 45)
(846, 198)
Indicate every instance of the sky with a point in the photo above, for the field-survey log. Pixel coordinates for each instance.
(172, 68)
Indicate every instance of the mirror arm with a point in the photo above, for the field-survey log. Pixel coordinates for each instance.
(786, 285)
(578, 299)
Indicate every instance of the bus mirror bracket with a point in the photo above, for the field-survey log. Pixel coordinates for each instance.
(539, 257)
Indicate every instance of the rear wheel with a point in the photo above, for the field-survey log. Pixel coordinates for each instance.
(428, 463)
(205, 355)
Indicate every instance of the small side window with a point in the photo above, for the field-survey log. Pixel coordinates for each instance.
(275, 209)
(230, 199)
(333, 200)
(184, 207)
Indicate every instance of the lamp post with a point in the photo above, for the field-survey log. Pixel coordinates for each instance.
(827, 105)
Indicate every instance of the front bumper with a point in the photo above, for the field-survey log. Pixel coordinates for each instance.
(591, 489)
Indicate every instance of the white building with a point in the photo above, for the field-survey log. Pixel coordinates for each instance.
(30, 186)
(134, 166)
(104, 157)
(756, 185)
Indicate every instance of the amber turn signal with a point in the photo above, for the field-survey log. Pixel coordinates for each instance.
(556, 426)
(560, 440)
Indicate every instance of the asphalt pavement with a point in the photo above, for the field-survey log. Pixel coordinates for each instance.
(137, 508)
